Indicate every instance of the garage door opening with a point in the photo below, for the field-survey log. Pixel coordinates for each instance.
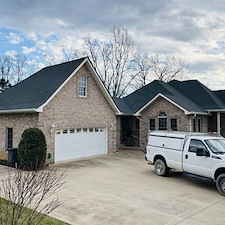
(77, 143)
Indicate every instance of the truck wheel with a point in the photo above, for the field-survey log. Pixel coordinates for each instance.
(220, 184)
(161, 168)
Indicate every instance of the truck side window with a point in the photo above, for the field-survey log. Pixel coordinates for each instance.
(194, 144)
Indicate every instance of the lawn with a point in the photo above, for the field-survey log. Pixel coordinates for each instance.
(46, 221)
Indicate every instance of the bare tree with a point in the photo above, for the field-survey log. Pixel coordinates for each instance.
(66, 54)
(113, 60)
(5, 71)
(29, 189)
(12, 70)
(121, 67)
(18, 70)
(142, 67)
(167, 67)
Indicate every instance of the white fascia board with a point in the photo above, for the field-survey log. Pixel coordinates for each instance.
(199, 113)
(215, 110)
(40, 108)
(102, 87)
(138, 113)
(31, 110)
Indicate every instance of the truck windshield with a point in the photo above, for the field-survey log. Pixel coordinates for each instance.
(216, 145)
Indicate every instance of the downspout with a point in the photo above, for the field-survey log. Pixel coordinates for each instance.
(191, 120)
(139, 118)
(218, 123)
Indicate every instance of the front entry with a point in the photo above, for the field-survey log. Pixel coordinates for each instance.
(130, 131)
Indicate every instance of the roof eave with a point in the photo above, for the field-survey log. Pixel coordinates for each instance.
(198, 113)
(215, 110)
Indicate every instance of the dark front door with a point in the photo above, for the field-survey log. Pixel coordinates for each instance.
(130, 131)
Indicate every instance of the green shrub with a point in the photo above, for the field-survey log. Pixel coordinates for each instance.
(32, 149)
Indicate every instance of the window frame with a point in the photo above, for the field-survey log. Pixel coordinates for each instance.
(9, 137)
(82, 86)
(162, 119)
(196, 125)
(171, 124)
(152, 124)
(200, 141)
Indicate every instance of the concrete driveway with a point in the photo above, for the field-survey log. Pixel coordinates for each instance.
(122, 189)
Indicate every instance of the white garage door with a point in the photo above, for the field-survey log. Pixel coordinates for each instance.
(79, 142)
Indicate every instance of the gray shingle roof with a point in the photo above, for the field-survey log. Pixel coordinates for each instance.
(199, 94)
(37, 89)
(220, 94)
(186, 94)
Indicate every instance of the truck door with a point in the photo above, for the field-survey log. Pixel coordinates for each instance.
(199, 165)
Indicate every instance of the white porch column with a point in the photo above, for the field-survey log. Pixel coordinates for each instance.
(218, 123)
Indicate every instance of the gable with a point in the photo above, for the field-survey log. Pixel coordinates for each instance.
(35, 92)
(142, 98)
(68, 104)
(32, 92)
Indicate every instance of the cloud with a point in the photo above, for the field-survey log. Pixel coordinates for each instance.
(14, 38)
(26, 50)
(11, 53)
(193, 30)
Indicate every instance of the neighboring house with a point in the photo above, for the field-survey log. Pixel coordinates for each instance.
(177, 105)
(69, 103)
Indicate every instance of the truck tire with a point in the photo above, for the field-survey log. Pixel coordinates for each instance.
(220, 184)
(161, 168)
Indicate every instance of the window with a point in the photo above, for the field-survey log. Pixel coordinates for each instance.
(9, 137)
(195, 144)
(82, 86)
(72, 130)
(152, 124)
(173, 124)
(196, 125)
(162, 121)
(65, 131)
(78, 130)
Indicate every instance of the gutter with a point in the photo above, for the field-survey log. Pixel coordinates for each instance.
(31, 110)
(215, 110)
(198, 113)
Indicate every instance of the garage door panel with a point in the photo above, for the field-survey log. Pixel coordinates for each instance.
(80, 144)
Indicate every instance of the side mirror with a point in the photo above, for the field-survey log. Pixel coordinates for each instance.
(200, 152)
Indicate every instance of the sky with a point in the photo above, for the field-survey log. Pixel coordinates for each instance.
(191, 29)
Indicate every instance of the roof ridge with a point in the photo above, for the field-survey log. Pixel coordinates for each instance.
(62, 63)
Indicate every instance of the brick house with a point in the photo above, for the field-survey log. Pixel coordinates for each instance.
(177, 105)
(69, 103)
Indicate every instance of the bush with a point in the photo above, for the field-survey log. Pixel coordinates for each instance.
(32, 149)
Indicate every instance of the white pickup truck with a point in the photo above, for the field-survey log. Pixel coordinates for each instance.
(197, 154)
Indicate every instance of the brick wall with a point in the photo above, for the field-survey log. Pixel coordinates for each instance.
(67, 110)
(152, 112)
(19, 122)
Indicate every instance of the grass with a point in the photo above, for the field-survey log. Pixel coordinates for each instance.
(46, 221)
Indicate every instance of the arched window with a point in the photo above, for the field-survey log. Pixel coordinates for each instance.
(162, 121)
